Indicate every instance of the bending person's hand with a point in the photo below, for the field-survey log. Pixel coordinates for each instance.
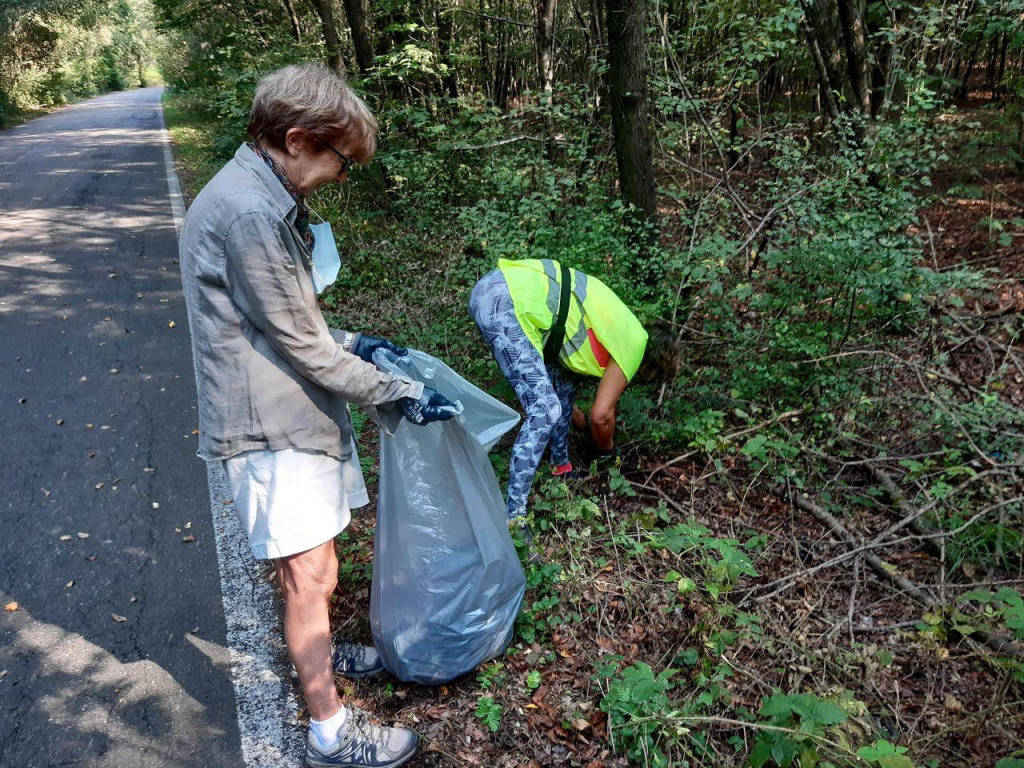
(431, 406)
(365, 346)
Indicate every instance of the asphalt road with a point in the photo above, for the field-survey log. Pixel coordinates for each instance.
(116, 653)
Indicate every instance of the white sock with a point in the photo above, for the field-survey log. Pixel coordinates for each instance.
(326, 731)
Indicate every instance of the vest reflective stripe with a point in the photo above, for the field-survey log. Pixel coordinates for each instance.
(573, 341)
(554, 284)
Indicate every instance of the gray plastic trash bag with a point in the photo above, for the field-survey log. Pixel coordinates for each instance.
(447, 583)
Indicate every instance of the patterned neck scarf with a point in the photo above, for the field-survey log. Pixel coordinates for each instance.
(302, 217)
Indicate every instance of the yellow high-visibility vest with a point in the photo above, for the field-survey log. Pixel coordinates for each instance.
(535, 285)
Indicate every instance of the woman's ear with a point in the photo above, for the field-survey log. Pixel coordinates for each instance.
(295, 140)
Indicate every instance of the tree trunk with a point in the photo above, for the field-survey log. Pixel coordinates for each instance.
(851, 16)
(394, 22)
(330, 32)
(444, 46)
(546, 45)
(1001, 71)
(504, 67)
(812, 31)
(1020, 140)
(628, 94)
(503, 71)
(546, 66)
(293, 17)
(360, 37)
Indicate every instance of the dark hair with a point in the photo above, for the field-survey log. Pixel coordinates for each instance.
(663, 356)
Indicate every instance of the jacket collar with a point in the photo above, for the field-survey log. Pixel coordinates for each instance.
(283, 201)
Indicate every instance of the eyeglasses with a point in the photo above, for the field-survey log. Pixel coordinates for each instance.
(346, 161)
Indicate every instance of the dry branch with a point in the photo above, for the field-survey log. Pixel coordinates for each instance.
(997, 643)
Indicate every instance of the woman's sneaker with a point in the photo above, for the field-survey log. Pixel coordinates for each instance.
(356, 661)
(361, 744)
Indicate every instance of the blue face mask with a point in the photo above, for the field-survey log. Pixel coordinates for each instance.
(326, 261)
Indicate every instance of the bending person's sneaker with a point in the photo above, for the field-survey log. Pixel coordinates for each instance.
(356, 661)
(361, 744)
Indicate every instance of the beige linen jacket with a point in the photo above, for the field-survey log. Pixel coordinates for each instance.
(269, 374)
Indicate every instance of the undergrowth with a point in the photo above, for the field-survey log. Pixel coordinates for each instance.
(675, 618)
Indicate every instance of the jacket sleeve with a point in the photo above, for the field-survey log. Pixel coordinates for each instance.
(261, 279)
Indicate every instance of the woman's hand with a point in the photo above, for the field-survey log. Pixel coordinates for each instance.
(365, 346)
(431, 406)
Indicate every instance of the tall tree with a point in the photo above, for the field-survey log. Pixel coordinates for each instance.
(445, 37)
(546, 66)
(360, 36)
(851, 17)
(332, 42)
(630, 103)
(819, 42)
(546, 45)
(293, 17)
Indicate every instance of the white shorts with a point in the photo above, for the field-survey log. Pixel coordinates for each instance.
(290, 501)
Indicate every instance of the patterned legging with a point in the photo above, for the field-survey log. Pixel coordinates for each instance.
(546, 392)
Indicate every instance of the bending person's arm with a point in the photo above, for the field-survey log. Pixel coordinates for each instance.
(602, 414)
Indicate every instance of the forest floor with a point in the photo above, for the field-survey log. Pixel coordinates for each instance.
(790, 623)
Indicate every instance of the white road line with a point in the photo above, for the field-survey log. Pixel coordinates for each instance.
(173, 187)
(263, 702)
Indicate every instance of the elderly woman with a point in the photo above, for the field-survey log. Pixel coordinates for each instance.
(273, 383)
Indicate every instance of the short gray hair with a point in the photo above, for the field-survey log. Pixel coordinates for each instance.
(317, 100)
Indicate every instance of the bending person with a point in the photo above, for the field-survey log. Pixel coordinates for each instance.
(516, 306)
(273, 383)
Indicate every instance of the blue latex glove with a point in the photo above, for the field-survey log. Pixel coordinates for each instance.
(366, 345)
(431, 406)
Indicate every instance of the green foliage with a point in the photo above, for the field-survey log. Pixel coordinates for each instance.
(638, 708)
(803, 719)
(1003, 607)
(54, 52)
(885, 755)
(489, 712)
(533, 679)
(493, 675)
(723, 559)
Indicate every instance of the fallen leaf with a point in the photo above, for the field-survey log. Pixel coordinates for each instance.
(580, 724)
(118, 618)
(11, 607)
